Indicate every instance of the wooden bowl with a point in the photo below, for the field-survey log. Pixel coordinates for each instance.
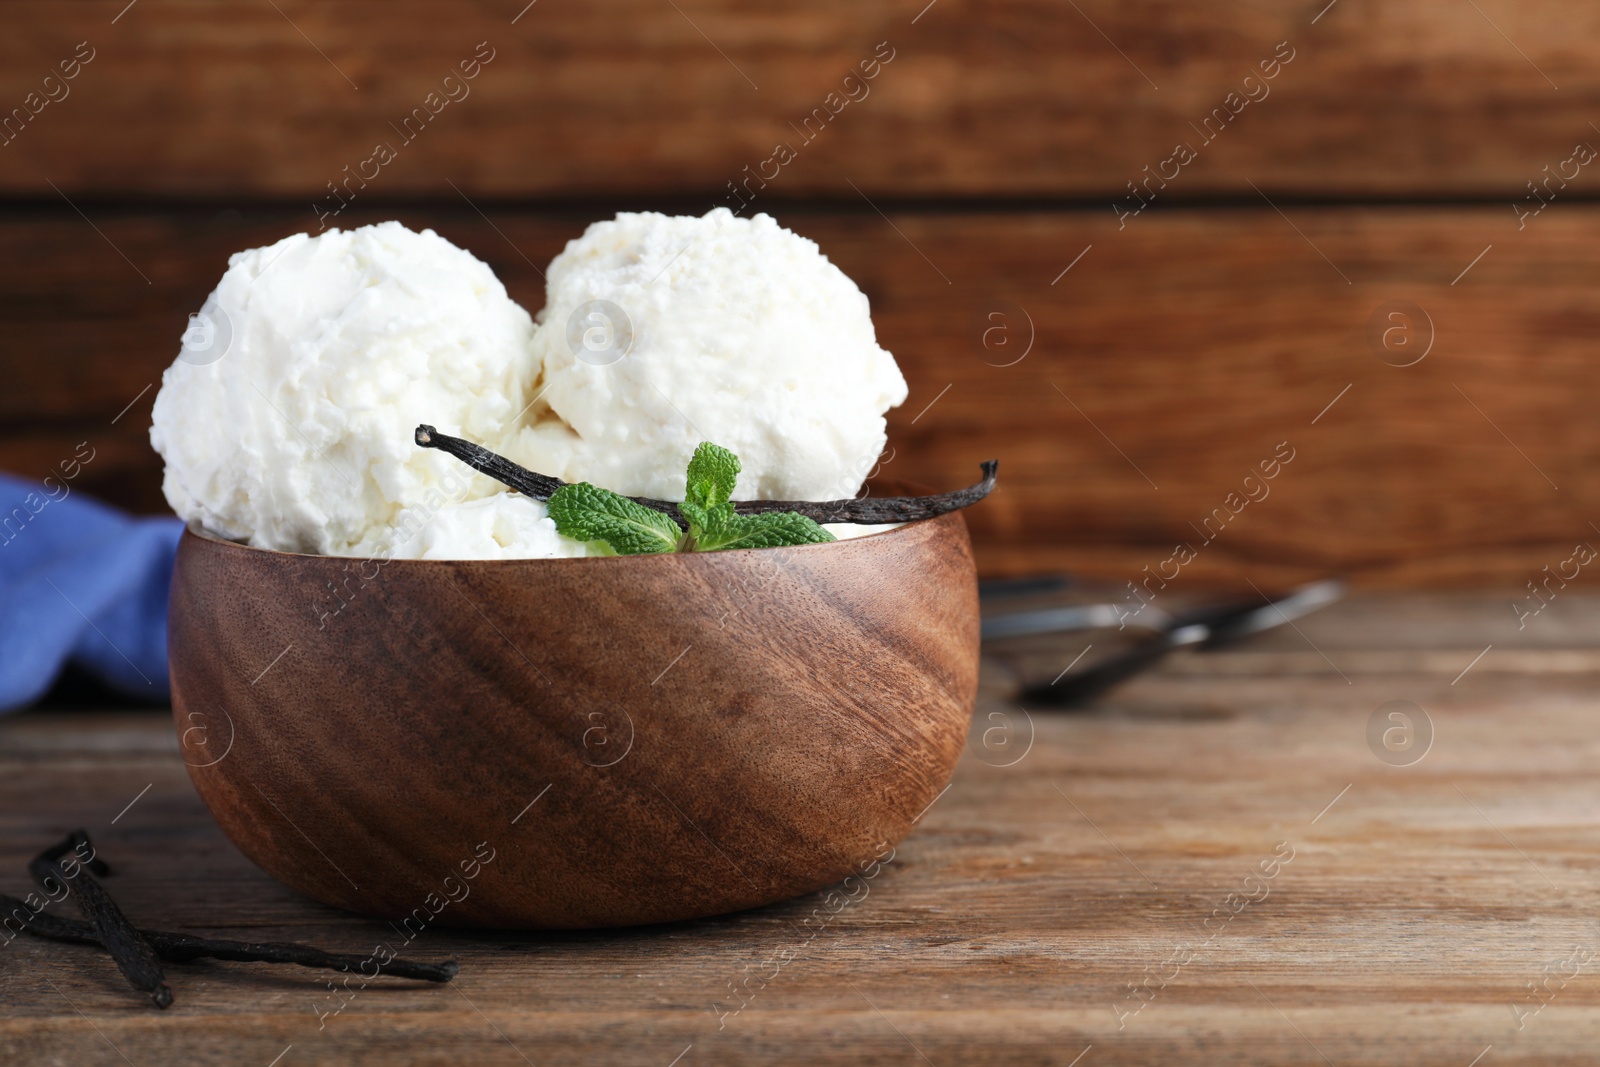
(574, 742)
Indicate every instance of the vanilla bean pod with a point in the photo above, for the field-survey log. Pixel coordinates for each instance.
(183, 948)
(881, 510)
(870, 511)
(135, 957)
(180, 948)
(44, 925)
(498, 467)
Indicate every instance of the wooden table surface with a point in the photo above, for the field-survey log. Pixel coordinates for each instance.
(1212, 866)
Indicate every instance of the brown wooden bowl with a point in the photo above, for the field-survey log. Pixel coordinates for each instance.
(573, 742)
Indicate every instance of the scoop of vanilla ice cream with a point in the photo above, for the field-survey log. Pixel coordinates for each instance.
(661, 332)
(287, 420)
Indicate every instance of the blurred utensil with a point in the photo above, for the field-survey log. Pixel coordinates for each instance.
(1066, 618)
(1204, 628)
(991, 590)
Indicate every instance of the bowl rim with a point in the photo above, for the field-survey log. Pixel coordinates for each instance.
(195, 529)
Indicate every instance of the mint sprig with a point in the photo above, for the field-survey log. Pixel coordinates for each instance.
(588, 513)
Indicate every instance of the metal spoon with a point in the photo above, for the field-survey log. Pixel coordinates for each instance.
(1205, 628)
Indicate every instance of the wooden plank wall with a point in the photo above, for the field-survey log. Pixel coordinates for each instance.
(1427, 158)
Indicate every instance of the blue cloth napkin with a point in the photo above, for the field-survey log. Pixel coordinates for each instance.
(80, 583)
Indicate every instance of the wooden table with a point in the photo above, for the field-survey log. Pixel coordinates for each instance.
(1064, 902)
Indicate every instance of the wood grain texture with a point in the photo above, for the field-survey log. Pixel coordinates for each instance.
(1016, 98)
(678, 736)
(1419, 905)
(1177, 353)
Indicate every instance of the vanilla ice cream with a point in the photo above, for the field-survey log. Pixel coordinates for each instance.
(502, 526)
(287, 421)
(660, 332)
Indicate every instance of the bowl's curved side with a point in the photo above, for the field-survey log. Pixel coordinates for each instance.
(559, 743)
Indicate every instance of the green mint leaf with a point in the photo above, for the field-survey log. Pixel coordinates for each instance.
(588, 513)
(708, 493)
(772, 530)
(712, 473)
